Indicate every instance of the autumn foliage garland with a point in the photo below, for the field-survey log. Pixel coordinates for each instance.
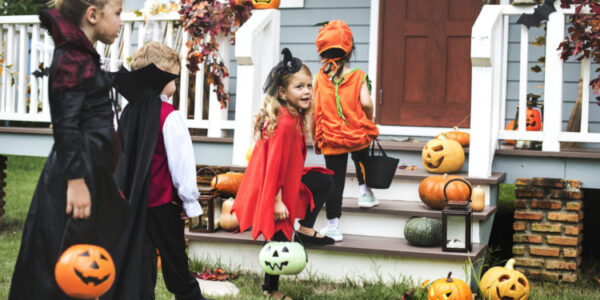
(204, 20)
(584, 35)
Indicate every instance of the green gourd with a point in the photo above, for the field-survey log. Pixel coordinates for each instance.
(423, 232)
(282, 258)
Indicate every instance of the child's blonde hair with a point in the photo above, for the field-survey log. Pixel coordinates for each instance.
(74, 10)
(272, 105)
(163, 56)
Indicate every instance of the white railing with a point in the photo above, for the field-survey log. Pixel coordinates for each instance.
(489, 49)
(26, 46)
(256, 52)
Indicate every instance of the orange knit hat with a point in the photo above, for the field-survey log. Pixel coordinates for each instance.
(335, 34)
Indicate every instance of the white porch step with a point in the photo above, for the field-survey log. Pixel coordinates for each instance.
(357, 257)
(389, 217)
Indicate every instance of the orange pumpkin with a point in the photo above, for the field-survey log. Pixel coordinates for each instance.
(449, 289)
(533, 120)
(85, 271)
(431, 190)
(228, 221)
(266, 4)
(443, 156)
(228, 183)
(511, 126)
(463, 138)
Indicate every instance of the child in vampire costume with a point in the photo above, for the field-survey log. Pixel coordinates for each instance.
(84, 147)
(159, 179)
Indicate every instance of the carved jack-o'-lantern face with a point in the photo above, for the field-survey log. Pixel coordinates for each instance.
(282, 258)
(443, 156)
(505, 283)
(534, 120)
(85, 271)
(449, 289)
(265, 4)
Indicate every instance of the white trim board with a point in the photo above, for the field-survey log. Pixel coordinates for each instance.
(414, 130)
(373, 49)
(291, 4)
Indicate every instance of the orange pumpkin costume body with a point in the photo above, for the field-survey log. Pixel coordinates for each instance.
(341, 124)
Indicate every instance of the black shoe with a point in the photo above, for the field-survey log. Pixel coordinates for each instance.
(314, 240)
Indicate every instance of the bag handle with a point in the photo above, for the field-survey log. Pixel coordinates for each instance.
(299, 239)
(375, 140)
(210, 169)
(463, 181)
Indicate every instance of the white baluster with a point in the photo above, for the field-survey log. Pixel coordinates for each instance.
(10, 61)
(216, 114)
(126, 43)
(184, 79)
(523, 70)
(553, 86)
(47, 62)
(199, 93)
(114, 57)
(3, 78)
(141, 33)
(585, 97)
(22, 83)
(169, 36)
(33, 65)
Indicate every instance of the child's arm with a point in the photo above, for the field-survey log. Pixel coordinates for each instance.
(365, 100)
(182, 163)
(280, 211)
(313, 128)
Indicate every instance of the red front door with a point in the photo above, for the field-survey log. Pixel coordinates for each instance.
(424, 72)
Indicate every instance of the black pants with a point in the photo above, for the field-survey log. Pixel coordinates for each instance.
(339, 164)
(165, 229)
(320, 186)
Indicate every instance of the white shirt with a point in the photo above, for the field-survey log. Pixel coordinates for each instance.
(181, 161)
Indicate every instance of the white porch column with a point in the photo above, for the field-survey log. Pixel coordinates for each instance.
(553, 86)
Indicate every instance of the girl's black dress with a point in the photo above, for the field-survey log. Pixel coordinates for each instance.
(84, 147)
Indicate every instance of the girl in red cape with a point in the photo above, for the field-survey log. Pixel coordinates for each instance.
(276, 187)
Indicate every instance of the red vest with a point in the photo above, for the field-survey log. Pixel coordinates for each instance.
(161, 186)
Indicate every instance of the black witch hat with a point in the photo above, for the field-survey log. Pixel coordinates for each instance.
(289, 65)
(149, 79)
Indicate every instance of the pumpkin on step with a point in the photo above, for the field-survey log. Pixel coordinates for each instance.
(228, 221)
(443, 156)
(478, 199)
(463, 138)
(431, 190)
(227, 184)
(500, 283)
(266, 4)
(423, 232)
(449, 289)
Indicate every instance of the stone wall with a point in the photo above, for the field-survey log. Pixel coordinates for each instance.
(548, 228)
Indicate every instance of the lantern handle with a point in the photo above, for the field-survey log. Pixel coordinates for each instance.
(458, 179)
(211, 169)
(299, 239)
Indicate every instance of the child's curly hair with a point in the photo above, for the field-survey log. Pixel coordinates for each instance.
(74, 10)
(272, 105)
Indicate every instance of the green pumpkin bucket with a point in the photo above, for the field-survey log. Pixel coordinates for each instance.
(283, 258)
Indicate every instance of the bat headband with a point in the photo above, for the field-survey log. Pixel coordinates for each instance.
(289, 65)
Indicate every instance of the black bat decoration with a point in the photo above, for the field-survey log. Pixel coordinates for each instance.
(41, 72)
(540, 13)
(87, 279)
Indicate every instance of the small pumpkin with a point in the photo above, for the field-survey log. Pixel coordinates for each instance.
(423, 232)
(431, 190)
(463, 138)
(228, 183)
(511, 126)
(85, 271)
(227, 220)
(500, 283)
(449, 289)
(478, 199)
(282, 258)
(266, 4)
(443, 156)
(533, 120)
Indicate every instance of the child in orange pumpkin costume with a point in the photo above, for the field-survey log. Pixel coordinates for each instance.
(342, 121)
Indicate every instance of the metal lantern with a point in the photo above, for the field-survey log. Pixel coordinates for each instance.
(456, 222)
(211, 209)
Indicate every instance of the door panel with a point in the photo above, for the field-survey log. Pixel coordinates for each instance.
(424, 72)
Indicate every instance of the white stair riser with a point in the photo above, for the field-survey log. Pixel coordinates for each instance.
(400, 189)
(338, 266)
(380, 225)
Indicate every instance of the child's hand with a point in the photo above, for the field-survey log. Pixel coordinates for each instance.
(280, 210)
(78, 199)
(317, 149)
(183, 215)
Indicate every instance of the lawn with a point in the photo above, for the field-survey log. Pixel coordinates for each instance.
(22, 175)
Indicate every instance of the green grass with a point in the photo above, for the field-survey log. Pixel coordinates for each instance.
(22, 176)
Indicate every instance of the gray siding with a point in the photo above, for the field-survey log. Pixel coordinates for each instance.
(535, 80)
